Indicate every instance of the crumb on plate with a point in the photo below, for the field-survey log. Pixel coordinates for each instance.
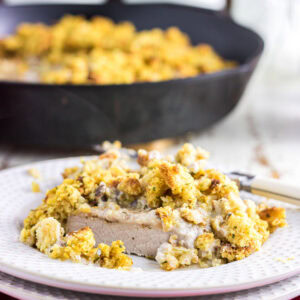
(35, 173)
(35, 187)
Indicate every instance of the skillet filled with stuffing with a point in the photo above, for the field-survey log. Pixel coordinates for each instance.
(132, 72)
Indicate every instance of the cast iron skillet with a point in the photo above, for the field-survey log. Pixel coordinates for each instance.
(78, 116)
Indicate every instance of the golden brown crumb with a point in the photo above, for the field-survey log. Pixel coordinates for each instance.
(204, 241)
(35, 187)
(235, 253)
(113, 256)
(166, 216)
(78, 245)
(111, 155)
(70, 172)
(181, 183)
(130, 184)
(275, 216)
(48, 233)
(143, 157)
(154, 185)
(208, 250)
(168, 201)
(188, 155)
(193, 216)
(171, 257)
(285, 260)
(81, 241)
(35, 173)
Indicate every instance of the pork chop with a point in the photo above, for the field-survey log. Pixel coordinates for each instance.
(141, 231)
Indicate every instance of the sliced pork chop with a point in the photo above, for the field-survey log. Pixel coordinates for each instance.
(141, 232)
(142, 240)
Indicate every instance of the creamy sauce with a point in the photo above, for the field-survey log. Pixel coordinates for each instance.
(186, 232)
(123, 215)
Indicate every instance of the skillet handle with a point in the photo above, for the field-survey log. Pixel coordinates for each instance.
(226, 11)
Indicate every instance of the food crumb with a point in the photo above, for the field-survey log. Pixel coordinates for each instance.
(136, 269)
(35, 173)
(35, 187)
(285, 260)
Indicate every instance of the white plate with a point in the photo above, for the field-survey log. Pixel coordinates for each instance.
(261, 268)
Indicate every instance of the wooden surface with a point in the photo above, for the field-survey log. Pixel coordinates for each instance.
(261, 136)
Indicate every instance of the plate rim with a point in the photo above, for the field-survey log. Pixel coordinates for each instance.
(19, 292)
(139, 291)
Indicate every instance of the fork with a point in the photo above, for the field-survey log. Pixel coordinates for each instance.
(266, 187)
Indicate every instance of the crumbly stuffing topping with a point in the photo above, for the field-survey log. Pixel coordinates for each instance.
(80, 51)
(59, 203)
(232, 253)
(205, 241)
(170, 257)
(78, 246)
(130, 184)
(192, 157)
(113, 256)
(166, 215)
(202, 205)
(48, 232)
(209, 250)
(274, 216)
(195, 216)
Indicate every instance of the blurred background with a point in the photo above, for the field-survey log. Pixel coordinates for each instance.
(261, 135)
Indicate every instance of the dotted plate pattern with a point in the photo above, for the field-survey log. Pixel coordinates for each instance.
(25, 290)
(269, 265)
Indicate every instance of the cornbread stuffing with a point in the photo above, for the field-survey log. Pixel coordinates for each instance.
(79, 246)
(98, 51)
(171, 258)
(169, 208)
